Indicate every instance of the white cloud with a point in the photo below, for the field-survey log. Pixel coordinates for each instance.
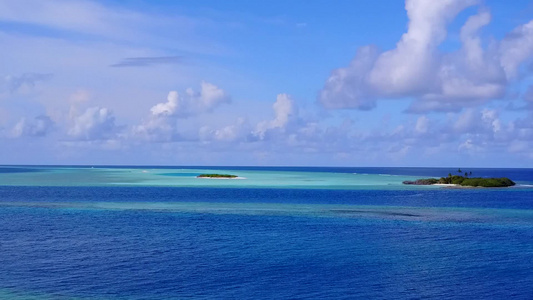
(490, 117)
(95, 123)
(416, 68)
(422, 124)
(162, 123)
(167, 108)
(284, 108)
(157, 129)
(470, 74)
(408, 68)
(192, 103)
(467, 145)
(236, 132)
(37, 127)
(485, 123)
(473, 50)
(347, 87)
(284, 111)
(516, 47)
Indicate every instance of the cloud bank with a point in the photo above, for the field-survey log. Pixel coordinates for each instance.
(96, 123)
(418, 69)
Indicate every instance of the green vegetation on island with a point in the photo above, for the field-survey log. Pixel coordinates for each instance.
(426, 181)
(487, 182)
(465, 181)
(216, 176)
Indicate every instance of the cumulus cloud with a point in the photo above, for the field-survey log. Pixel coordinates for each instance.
(347, 87)
(284, 111)
(407, 68)
(416, 68)
(284, 108)
(475, 132)
(37, 127)
(192, 102)
(485, 122)
(157, 129)
(285, 128)
(162, 122)
(96, 123)
(231, 133)
(516, 48)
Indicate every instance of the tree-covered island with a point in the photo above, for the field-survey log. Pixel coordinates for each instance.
(227, 176)
(465, 181)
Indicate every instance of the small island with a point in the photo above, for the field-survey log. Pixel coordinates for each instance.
(464, 181)
(224, 176)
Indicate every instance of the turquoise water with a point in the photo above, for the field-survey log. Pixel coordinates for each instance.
(296, 233)
(187, 178)
(308, 178)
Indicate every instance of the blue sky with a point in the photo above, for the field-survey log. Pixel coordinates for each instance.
(312, 83)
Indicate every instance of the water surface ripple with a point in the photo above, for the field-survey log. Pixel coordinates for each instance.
(150, 242)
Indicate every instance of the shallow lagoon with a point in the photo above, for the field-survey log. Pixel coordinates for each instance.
(307, 178)
(187, 178)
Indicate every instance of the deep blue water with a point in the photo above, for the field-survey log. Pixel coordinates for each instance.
(54, 251)
(473, 198)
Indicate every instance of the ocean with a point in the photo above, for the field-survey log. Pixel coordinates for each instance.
(149, 232)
